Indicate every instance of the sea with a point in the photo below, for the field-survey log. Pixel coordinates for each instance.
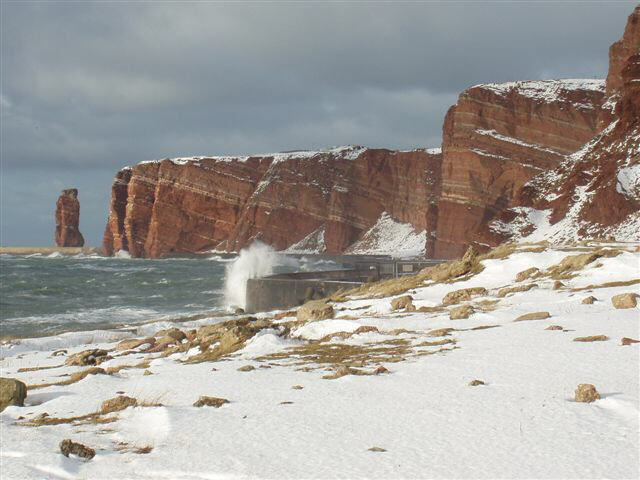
(44, 295)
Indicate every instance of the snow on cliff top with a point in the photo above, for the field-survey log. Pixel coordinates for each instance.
(545, 90)
(349, 152)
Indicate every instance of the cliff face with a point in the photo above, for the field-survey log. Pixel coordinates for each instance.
(596, 191)
(552, 159)
(68, 219)
(328, 199)
(495, 139)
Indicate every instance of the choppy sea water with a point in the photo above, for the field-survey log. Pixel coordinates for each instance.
(47, 295)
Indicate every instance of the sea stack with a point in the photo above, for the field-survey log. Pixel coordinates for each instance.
(68, 219)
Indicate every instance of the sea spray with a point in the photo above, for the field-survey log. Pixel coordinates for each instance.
(259, 260)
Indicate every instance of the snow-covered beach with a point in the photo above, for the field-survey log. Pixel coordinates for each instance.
(307, 397)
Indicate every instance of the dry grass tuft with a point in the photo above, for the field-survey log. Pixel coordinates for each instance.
(626, 283)
(73, 378)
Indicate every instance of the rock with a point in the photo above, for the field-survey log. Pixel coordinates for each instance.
(12, 392)
(315, 310)
(131, 343)
(283, 199)
(117, 404)
(380, 370)
(342, 371)
(589, 300)
(246, 368)
(462, 295)
(461, 312)
(528, 273)
(174, 333)
(400, 303)
(147, 373)
(205, 401)
(67, 447)
(554, 327)
(592, 338)
(297, 387)
(94, 356)
(239, 311)
(628, 341)
(503, 292)
(557, 285)
(625, 300)
(440, 332)
(376, 449)
(475, 383)
(533, 316)
(586, 393)
(68, 220)
(491, 148)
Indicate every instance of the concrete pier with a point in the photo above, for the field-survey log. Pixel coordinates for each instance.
(289, 290)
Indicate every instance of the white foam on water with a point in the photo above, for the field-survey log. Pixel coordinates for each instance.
(259, 260)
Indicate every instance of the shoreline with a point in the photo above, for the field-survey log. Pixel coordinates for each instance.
(49, 250)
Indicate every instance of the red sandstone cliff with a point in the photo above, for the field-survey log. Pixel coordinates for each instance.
(224, 203)
(496, 138)
(596, 191)
(68, 219)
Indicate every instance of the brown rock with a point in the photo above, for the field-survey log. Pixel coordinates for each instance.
(174, 333)
(380, 370)
(557, 285)
(628, 341)
(503, 292)
(315, 310)
(440, 332)
(12, 392)
(246, 368)
(475, 383)
(297, 387)
(554, 327)
(94, 356)
(533, 316)
(205, 401)
(461, 312)
(625, 300)
(117, 404)
(528, 273)
(462, 295)
(592, 338)
(586, 393)
(401, 302)
(131, 343)
(68, 219)
(589, 300)
(67, 447)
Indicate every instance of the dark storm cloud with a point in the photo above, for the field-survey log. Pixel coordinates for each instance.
(88, 88)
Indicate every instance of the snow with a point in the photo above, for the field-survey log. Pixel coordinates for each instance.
(504, 138)
(628, 181)
(547, 91)
(348, 152)
(423, 413)
(311, 244)
(390, 237)
(434, 151)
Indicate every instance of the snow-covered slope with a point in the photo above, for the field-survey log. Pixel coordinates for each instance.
(390, 237)
(421, 418)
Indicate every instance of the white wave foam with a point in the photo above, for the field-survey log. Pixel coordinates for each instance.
(259, 260)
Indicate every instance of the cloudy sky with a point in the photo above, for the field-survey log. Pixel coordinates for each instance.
(87, 88)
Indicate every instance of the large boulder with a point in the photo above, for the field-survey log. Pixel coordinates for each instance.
(315, 310)
(93, 356)
(403, 302)
(12, 392)
(625, 300)
(462, 295)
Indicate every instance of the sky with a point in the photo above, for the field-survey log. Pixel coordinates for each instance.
(87, 88)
